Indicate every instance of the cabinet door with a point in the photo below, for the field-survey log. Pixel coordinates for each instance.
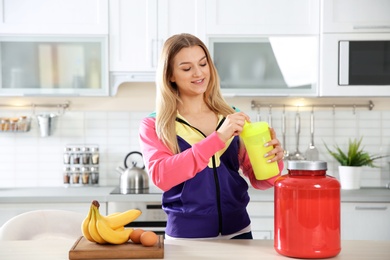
(181, 16)
(138, 29)
(85, 17)
(262, 17)
(272, 66)
(133, 35)
(365, 221)
(356, 16)
(262, 219)
(55, 66)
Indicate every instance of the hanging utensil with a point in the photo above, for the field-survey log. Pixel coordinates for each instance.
(312, 153)
(297, 155)
(270, 116)
(258, 116)
(286, 153)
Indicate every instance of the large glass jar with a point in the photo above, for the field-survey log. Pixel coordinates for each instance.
(307, 211)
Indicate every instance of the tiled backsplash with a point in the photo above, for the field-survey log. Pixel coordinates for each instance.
(26, 159)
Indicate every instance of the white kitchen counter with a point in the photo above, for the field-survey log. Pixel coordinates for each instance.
(69, 195)
(102, 194)
(194, 250)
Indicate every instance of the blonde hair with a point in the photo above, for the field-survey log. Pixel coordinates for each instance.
(167, 96)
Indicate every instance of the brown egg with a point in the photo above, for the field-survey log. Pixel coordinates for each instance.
(135, 236)
(148, 238)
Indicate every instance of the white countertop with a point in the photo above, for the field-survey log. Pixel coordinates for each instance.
(194, 250)
(102, 194)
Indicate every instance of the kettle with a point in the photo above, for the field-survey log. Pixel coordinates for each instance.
(134, 179)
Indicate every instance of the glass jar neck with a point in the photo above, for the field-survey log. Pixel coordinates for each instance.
(307, 172)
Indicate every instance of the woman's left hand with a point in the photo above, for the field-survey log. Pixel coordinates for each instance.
(278, 152)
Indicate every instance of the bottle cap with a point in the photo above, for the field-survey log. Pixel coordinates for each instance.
(307, 165)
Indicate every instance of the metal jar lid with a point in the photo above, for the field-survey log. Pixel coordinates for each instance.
(307, 165)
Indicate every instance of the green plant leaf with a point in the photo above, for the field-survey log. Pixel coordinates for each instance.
(355, 156)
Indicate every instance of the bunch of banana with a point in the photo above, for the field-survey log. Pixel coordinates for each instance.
(108, 229)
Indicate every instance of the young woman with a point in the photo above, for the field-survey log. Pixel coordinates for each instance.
(192, 149)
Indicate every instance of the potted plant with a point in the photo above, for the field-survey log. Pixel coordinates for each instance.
(351, 163)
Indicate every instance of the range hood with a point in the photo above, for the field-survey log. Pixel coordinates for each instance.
(118, 78)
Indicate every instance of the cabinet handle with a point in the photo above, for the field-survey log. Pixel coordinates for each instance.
(370, 27)
(51, 95)
(371, 208)
(152, 55)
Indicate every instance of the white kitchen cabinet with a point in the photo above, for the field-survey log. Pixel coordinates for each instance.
(138, 29)
(365, 221)
(267, 66)
(253, 17)
(7, 211)
(55, 66)
(262, 219)
(345, 16)
(54, 17)
(133, 35)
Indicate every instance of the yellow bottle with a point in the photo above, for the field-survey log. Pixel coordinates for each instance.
(255, 135)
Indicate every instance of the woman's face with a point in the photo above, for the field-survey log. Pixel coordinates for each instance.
(191, 71)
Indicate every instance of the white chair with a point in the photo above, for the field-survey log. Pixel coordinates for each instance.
(43, 224)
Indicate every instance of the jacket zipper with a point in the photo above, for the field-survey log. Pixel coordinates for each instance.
(217, 187)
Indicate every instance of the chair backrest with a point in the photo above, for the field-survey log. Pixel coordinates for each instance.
(43, 224)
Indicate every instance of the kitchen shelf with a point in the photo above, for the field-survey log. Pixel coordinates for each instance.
(62, 106)
(257, 105)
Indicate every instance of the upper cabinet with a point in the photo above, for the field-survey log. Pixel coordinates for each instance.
(85, 17)
(268, 48)
(138, 29)
(363, 16)
(262, 17)
(272, 66)
(54, 48)
(42, 65)
(133, 35)
(355, 53)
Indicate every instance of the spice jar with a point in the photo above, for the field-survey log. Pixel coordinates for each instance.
(67, 155)
(76, 155)
(307, 211)
(85, 173)
(13, 124)
(5, 124)
(95, 155)
(23, 124)
(67, 174)
(86, 156)
(94, 175)
(75, 175)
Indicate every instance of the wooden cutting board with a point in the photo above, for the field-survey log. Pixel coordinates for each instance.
(84, 249)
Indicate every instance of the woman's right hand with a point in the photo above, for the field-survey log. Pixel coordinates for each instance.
(232, 126)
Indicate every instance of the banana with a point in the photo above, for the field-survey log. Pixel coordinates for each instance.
(110, 235)
(113, 214)
(108, 229)
(119, 228)
(85, 224)
(123, 218)
(92, 228)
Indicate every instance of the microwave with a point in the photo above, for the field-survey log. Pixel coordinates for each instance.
(355, 65)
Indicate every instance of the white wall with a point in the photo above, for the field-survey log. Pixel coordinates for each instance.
(26, 159)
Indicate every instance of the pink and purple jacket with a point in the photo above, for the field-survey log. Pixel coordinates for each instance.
(204, 194)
